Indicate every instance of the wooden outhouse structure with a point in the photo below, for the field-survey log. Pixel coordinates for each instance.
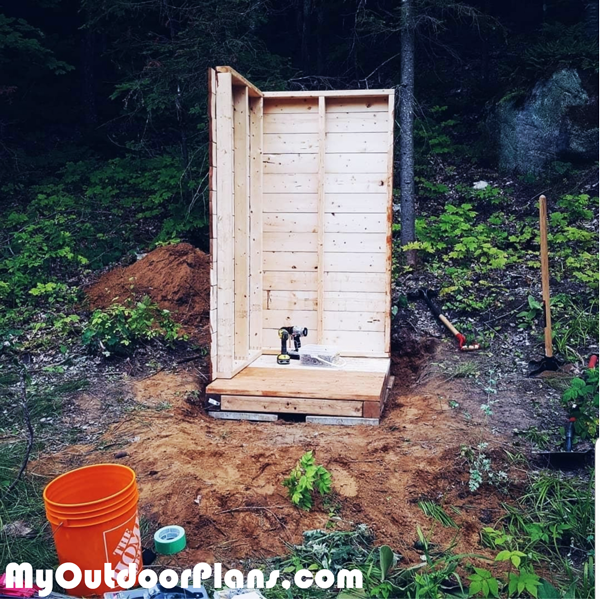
(301, 217)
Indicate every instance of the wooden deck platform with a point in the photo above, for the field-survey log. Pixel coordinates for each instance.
(358, 389)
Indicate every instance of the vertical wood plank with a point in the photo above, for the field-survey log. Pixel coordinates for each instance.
(212, 206)
(241, 155)
(320, 220)
(225, 225)
(390, 218)
(256, 233)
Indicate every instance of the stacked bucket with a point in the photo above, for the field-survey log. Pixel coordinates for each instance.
(94, 516)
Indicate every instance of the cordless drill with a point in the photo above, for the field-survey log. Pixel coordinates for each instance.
(284, 334)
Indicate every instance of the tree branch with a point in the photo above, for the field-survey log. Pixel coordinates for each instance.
(27, 419)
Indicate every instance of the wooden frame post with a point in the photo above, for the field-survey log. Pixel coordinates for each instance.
(225, 224)
(256, 232)
(321, 222)
(390, 220)
(241, 217)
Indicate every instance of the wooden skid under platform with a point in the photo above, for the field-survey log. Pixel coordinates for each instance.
(358, 390)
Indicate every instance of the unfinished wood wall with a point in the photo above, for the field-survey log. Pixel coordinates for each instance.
(300, 212)
(327, 219)
(235, 198)
(290, 218)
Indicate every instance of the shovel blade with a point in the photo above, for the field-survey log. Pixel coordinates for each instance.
(546, 363)
(565, 460)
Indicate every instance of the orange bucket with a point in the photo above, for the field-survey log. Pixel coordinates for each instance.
(94, 516)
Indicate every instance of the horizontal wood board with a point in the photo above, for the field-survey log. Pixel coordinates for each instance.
(302, 383)
(293, 405)
(265, 376)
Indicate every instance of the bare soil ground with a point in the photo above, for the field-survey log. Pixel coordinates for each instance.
(222, 480)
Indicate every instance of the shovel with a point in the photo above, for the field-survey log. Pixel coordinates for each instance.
(568, 459)
(548, 362)
(426, 295)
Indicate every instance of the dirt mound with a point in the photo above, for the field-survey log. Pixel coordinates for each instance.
(176, 277)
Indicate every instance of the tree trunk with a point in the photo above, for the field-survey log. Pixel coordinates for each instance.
(305, 41)
(321, 32)
(407, 154)
(88, 81)
(591, 18)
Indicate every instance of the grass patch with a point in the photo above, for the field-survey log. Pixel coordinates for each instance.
(435, 511)
(24, 504)
(554, 522)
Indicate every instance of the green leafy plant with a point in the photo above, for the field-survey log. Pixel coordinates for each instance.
(524, 580)
(305, 479)
(581, 399)
(480, 467)
(437, 512)
(433, 133)
(120, 327)
(557, 46)
(483, 583)
(532, 315)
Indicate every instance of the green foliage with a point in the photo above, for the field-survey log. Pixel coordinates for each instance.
(386, 560)
(513, 582)
(120, 327)
(581, 400)
(160, 82)
(430, 188)
(535, 435)
(523, 581)
(557, 46)
(19, 39)
(433, 135)
(489, 195)
(577, 207)
(513, 556)
(91, 216)
(470, 242)
(437, 512)
(482, 582)
(530, 317)
(554, 517)
(457, 237)
(304, 479)
(25, 504)
(480, 467)
(575, 247)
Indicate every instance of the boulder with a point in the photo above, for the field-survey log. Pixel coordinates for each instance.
(548, 126)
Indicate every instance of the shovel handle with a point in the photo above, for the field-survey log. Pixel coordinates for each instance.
(449, 325)
(545, 276)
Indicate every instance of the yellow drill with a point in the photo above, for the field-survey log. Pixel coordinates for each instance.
(284, 334)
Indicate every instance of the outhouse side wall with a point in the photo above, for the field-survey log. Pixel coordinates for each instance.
(235, 200)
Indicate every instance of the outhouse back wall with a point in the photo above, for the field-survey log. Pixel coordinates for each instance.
(327, 270)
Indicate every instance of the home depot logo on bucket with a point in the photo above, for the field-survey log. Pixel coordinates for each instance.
(124, 545)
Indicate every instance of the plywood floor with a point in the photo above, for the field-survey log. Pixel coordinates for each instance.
(356, 390)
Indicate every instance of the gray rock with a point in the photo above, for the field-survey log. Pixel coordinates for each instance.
(545, 127)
